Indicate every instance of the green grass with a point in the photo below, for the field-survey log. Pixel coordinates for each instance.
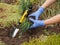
(9, 14)
(12, 13)
(1, 43)
(52, 10)
(44, 40)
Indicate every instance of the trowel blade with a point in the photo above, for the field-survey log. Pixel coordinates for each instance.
(15, 32)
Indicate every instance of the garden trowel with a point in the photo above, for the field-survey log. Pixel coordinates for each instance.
(16, 30)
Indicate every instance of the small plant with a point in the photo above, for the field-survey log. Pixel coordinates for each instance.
(24, 5)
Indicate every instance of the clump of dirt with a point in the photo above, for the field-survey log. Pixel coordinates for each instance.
(3, 16)
(4, 34)
(1, 9)
(1, 13)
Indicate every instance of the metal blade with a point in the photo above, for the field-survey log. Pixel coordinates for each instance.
(15, 32)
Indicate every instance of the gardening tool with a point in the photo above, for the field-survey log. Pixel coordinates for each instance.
(16, 30)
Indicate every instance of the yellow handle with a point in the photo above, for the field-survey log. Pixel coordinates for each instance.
(23, 17)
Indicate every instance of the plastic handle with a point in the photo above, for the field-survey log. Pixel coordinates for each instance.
(23, 17)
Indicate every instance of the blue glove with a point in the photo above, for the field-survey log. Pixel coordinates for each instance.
(37, 13)
(36, 23)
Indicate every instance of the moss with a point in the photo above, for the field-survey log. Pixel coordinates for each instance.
(50, 40)
(9, 13)
(1, 43)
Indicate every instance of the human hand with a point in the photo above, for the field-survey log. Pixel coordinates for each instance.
(36, 23)
(37, 13)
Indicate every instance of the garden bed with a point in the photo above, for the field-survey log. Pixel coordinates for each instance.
(4, 34)
(10, 14)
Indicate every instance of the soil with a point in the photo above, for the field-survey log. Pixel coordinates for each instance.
(4, 34)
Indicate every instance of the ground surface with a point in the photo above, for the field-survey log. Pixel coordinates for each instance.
(4, 35)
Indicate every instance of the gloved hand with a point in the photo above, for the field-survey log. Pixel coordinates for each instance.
(36, 23)
(37, 13)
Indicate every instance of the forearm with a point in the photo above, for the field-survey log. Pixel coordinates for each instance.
(48, 3)
(55, 19)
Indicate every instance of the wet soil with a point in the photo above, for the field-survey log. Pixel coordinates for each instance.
(4, 34)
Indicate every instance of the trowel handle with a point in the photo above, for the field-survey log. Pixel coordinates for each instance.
(23, 17)
(25, 14)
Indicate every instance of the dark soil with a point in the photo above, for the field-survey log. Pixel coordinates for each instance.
(4, 34)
